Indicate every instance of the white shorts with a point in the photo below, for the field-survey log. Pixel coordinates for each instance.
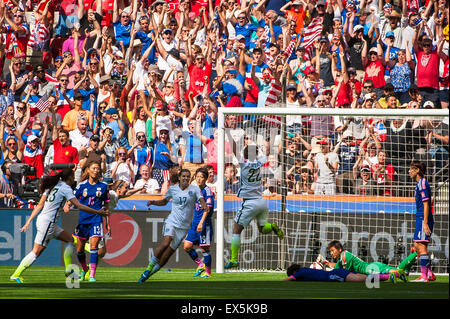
(252, 209)
(46, 230)
(325, 189)
(177, 234)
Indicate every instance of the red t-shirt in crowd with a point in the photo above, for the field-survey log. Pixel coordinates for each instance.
(197, 78)
(375, 72)
(427, 69)
(64, 154)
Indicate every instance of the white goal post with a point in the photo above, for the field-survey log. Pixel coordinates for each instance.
(222, 227)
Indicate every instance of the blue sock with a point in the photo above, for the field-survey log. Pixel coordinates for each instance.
(155, 269)
(193, 254)
(152, 263)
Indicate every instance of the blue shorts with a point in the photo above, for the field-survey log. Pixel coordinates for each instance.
(419, 234)
(309, 274)
(201, 239)
(86, 231)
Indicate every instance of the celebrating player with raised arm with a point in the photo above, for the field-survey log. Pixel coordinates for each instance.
(55, 191)
(204, 238)
(424, 220)
(254, 205)
(184, 197)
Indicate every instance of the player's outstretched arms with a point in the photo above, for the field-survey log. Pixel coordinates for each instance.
(161, 202)
(87, 209)
(354, 277)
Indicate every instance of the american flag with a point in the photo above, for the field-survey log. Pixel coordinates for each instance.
(272, 99)
(312, 32)
(42, 104)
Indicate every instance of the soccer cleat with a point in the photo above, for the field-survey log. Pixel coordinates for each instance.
(205, 275)
(402, 275)
(420, 279)
(83, 275)
(200, 270)
(92, 279)
(432, 277)
(231, 264)
(278, 231)
(144, 276)
(19, 280)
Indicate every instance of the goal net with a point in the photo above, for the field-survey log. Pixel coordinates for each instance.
(334, 174)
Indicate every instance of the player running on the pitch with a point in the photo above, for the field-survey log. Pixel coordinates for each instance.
(55, 191)
(347, 260)
(204, 238)
(184, 197)
(254, 205)
(424, 220)
(296, 272)
(117, 190)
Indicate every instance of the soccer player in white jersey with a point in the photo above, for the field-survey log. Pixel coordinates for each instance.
(55, 192)
(254, 205)
(184, 196)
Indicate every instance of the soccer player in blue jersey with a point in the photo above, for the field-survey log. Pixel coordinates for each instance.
(424, 220)
(92, 193)
(184, 197)
(296, 272)
(204, 238)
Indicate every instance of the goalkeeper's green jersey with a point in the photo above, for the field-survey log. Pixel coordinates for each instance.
(352, 263)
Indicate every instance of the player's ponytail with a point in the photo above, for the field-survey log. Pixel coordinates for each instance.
(50, 181)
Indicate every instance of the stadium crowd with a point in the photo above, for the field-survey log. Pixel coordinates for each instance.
(136, 85)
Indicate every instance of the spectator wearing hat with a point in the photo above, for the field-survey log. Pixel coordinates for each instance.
(296, 13)
(304, 182)
(348, 152)
(92, 153)
(17, 33)
(6, 96)
(428, 60)
(71, 63)
(164, 157)
(374, 67)
(364, 184)
(70, 119)
(45, 87)
(355, 44)
(11, 141)
(122, 23)
(326, 164)
(114, 122)
(393, 23)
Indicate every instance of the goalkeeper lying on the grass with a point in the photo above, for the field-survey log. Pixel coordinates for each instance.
(352, 263)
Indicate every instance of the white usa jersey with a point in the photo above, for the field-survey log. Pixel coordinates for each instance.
(56, 196)
(250, 185)
(183, 205)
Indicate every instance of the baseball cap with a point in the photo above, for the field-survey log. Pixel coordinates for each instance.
(167, 30)
(390, 34)
(291, 86)
(3, 84)
(31, 138)
(111, 111)
(428, 104)
(95, 138)
(358, 27)
(365, 168)
(324, 141)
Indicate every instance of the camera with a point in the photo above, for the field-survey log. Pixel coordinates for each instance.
(24, 180)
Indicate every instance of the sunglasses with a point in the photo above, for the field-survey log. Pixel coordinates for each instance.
(18, 16)
(64, 80)
(426, 45)
(368, 87)
(12, 144)
(163, 132)
(93, 63)
(140, 137)
(323, 101)
(122, 154)
(241, 18)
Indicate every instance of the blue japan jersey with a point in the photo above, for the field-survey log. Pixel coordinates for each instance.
(422, 194)
(95, 196)
(208, 195)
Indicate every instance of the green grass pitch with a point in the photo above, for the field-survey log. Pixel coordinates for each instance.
(121, 283)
